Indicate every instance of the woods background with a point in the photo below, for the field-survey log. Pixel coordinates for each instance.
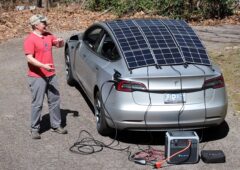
(178, 9)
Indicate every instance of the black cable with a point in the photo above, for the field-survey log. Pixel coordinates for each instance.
(145, 117)
(84, 147)
(183, 103)
(205, 105)
(148, 107)
(109, 116)
(104, 108)
(89, 145)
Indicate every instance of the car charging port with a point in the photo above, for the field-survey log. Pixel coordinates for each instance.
(116, 75)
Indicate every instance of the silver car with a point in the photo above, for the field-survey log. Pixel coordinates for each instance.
(146, 74)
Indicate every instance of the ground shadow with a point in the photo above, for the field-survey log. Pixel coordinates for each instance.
(158, 138)
(64, 113)
(214, 133)
(45, 122)
(140, 137)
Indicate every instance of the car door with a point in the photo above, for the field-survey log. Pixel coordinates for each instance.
(87, 49)
(110, 60)
(91, 63)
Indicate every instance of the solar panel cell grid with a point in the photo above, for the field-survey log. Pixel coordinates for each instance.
(133, 44)
(161, 42)
(181, 30)
(190, 45)
(159, 37)
(197, 56)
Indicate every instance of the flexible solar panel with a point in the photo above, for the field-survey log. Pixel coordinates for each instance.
(158, 42)
(132, 43)
(164, 49)
(189, 43)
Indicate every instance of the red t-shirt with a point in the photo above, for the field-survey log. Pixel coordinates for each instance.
(41, 49)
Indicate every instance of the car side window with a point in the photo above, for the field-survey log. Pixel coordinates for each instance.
(108, 48)
(92, 36)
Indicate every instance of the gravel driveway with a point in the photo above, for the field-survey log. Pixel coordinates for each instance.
(19, 152)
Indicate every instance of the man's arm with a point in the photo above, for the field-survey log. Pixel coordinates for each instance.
(33, 61)
(59, 42)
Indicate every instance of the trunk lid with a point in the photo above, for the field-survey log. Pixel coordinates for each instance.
(170, 82)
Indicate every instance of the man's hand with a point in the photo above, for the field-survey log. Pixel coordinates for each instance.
(58, 42)
(48, 67)
(33, 61)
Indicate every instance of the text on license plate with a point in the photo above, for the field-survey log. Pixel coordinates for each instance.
(174, 98)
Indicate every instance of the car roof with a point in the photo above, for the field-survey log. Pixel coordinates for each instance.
(160, 42)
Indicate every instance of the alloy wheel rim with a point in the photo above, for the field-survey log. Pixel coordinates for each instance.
(98, 110)
(67, 65)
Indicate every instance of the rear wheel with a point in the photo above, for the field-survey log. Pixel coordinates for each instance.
(102, 126)
(68, 69)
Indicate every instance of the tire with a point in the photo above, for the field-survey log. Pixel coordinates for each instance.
(68, 69)
(101, 124)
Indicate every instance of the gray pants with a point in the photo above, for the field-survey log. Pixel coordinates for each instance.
(39, 87)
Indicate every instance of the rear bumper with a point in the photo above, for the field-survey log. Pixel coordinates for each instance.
(163, 126)
(160, 118)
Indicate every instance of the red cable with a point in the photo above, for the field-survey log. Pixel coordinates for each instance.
(159, 163)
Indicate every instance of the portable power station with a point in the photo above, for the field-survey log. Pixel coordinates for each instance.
(176, 141)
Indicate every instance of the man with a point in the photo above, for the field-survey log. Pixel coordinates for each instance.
(41, 74)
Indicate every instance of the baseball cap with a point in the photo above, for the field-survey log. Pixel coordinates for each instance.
(36, 19)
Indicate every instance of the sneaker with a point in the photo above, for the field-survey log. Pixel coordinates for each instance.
(60, 130)
(35, 135)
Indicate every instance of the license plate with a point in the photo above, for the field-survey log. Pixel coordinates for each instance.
(174, 98)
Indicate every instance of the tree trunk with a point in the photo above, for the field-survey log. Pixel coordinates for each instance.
(48, 4)
(190, 6)
(13, 1)
(30, 2)
(39, 3)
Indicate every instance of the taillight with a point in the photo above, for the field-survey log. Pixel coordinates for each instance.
(214, 83)
(129, 86)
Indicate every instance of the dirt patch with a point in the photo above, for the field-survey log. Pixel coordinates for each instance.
(229, 61)
(15, 23)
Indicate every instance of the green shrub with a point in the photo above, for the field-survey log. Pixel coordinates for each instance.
(186, 9)
(216, 8)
